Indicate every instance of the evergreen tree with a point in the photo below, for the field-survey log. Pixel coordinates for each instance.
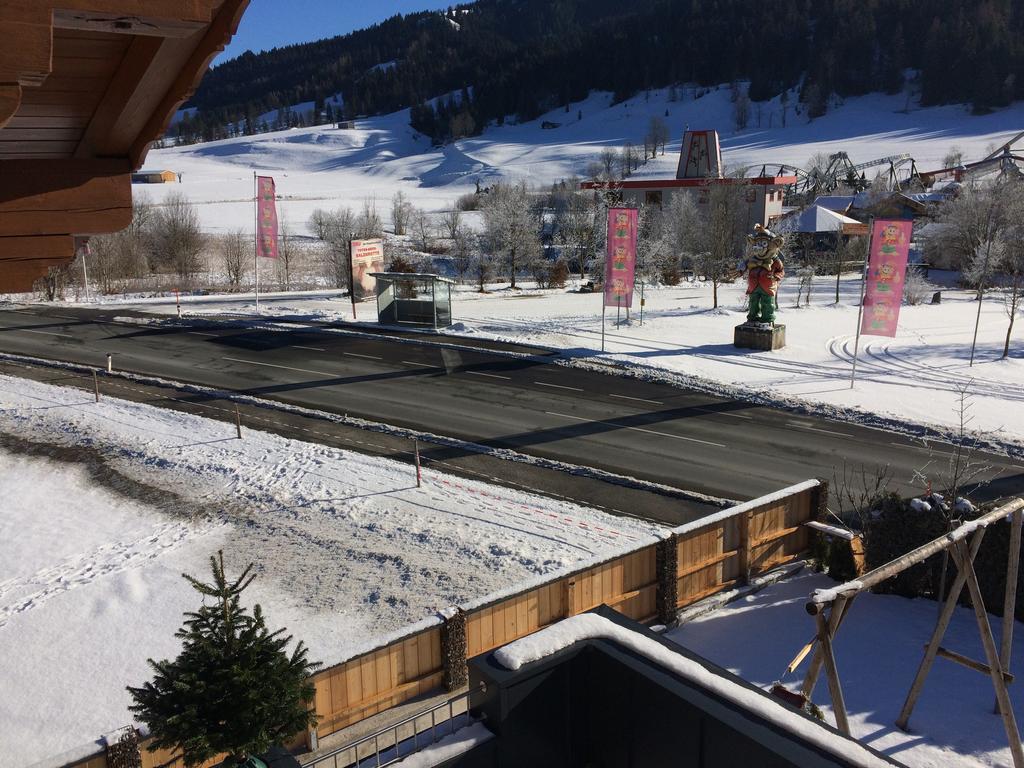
(233, 688)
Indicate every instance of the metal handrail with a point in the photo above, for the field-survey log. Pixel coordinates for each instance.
(331, 758)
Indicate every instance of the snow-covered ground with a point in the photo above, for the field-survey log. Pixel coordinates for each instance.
(914, 378)
(325, 167)
(105, 505)
(877, 653)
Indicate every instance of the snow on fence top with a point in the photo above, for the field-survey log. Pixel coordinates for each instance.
(590, 626)
(739, 509)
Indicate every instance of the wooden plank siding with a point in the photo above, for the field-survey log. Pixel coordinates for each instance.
(377, 681)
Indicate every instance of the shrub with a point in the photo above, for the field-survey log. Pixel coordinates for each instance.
(468, 202)
(894, 529)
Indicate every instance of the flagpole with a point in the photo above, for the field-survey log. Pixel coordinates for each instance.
(863, 292)
(256, 238)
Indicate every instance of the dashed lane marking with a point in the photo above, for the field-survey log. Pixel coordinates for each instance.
(723, 413)
(559, 386)
(368, 357)
(490, 375)
(283, 367)
(817, 429)
(418, 365)
(49, 333)
(200, 333)
(309, 349)
(639, 429)
(637, 399)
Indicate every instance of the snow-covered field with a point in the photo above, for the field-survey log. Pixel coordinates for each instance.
(105, 505)
(877, 653)
(324, 167)
(914, 378)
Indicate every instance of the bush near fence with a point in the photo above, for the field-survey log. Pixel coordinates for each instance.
(648, 583)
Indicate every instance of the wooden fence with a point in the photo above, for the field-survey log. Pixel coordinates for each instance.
(650, 582)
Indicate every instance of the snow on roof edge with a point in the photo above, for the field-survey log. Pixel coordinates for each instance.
(590, 626)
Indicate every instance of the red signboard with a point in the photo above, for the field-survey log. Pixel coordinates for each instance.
(620, 264)
(266, 217)
(887, 271)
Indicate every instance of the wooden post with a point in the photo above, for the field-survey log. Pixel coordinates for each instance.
(416, 449)
(1010, 593)
(835, 689)
(932, 649)
(96, 385)
(835, 620)
(570, 595)
(744, 550)
(238, 422)
(963, 561)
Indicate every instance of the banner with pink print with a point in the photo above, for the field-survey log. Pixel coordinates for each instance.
(266, 217)
(886, 275)
(620, 264)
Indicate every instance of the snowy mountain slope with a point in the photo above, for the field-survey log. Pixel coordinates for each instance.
(325, 167)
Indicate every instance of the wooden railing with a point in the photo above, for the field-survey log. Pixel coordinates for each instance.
(647, 583)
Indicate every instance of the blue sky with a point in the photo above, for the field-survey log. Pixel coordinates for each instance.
(270, 23)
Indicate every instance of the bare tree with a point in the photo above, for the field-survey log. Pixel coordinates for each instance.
(954, 157)
(334, 254)
(510, 227)
(741, 111)
(287, 254)
(115, 258)
(369, 223)
(451, 221)
(576, 227)
(320, 223)
(401, 213)
(422, 230)
(465, 247)
(608, 160)
(176, 240)
(657, 134)
(234, 249)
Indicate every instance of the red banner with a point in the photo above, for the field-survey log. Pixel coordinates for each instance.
(620, 263)
(266, 217)
(887, 272)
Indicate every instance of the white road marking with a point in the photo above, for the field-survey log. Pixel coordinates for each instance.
(816, 429)
(488, 375)
(639, 429)
(559, 386)
(49, 333)
(368, 357)
(310, 349)
(282, 367)
(637, 399)
(418, 365)
(723, 413)
(200, 333)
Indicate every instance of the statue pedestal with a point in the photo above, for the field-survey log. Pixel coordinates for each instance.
(755, 336)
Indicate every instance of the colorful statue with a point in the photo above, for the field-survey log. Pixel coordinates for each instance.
(764, 273)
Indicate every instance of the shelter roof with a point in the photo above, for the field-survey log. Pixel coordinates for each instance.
(815, 219)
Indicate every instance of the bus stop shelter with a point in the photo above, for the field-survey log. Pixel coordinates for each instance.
(412, 298)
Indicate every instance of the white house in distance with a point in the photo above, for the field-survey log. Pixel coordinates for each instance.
(700, 169)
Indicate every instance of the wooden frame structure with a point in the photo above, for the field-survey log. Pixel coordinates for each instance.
(85, 87)
(831, 607)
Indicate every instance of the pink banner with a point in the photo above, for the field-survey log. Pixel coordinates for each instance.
(620, 264)
(887, 271)
(266, 217)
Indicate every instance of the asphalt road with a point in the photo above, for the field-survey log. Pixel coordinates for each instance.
(722, 447)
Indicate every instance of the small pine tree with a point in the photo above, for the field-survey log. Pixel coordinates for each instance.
(233, 688)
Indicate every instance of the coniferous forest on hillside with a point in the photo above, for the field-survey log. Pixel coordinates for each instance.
(495, 59)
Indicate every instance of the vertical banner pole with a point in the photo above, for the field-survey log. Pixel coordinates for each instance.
(256, 238)
(416, 448)
(604, 311)
(352, 277)
(618, 311)
(641, 300)
(863, 292)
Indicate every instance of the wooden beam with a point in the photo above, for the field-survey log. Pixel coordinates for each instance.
(135, 68)
(148, 26)
(27, 52)
(10, 100)
(967, 661)
(835, 688)
(213, 42)
(59, 197)
(23, 260)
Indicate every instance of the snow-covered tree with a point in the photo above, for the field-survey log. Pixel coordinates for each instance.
(401, 213)
(510, 226)
(234, 689)
(577, 224)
